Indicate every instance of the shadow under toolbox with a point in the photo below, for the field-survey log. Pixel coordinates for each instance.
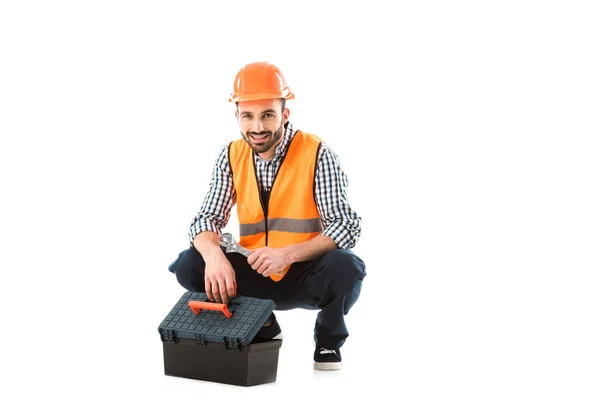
(213, 342)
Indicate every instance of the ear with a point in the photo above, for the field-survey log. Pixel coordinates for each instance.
(237, 115)
(285, 114)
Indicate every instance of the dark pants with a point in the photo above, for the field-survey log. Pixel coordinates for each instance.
(330, 284)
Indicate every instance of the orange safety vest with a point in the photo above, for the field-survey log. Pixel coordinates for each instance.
(291, 216)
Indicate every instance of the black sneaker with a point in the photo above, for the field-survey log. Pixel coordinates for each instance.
(327, 360)
(270, 332)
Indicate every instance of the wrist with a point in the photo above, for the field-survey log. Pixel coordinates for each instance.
(214, 253)
(289, 255)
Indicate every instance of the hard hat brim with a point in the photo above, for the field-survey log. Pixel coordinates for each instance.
(280, 94)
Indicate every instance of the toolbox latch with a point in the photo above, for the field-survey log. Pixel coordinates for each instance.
(233, 344)
(168, 335)
(200, 339)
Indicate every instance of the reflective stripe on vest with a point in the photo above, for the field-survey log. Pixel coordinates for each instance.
(283, 225)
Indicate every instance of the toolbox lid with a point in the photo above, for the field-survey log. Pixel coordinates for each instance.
(195, 317)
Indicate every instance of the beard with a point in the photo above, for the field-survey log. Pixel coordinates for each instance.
(264, 144)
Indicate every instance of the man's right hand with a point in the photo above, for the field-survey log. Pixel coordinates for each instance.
(219, 280)
(219, 275)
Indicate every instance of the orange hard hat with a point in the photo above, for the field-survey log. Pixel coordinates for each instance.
(260, 80)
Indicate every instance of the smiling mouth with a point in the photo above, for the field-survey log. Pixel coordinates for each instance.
(259, 138)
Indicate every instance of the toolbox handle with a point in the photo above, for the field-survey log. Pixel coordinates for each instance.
(196, 306)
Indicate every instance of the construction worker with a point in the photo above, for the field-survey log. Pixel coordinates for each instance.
(294, 215)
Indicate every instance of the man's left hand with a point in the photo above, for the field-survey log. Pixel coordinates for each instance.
(268, 260)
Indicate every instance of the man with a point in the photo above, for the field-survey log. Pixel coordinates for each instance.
(294, 216)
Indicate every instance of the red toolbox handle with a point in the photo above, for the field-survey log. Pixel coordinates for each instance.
(196, 306)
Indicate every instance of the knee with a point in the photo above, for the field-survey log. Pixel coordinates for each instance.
(189, 270)
(185, 260)
(345, 266)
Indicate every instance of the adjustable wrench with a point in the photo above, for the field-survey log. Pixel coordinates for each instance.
(231, 246)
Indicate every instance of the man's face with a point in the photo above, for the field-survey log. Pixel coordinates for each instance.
(261, 123)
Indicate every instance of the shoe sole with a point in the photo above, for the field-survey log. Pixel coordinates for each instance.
(328, 366)
(278, 336)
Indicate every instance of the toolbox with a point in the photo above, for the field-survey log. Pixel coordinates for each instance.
(215, 342)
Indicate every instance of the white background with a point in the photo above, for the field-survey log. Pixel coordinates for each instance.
(469, 132)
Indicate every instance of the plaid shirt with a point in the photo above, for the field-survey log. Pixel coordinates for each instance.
(341, 223)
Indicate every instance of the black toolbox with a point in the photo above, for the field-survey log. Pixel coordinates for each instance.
(209, 341)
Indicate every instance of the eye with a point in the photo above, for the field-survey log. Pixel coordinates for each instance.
(246, 116)
(268, 115)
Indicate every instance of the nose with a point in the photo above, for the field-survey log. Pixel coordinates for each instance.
(257, 125)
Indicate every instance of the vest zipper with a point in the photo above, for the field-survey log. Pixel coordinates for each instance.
(262, 204)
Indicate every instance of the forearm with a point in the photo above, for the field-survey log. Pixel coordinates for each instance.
(310, 250)
(207, 244)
